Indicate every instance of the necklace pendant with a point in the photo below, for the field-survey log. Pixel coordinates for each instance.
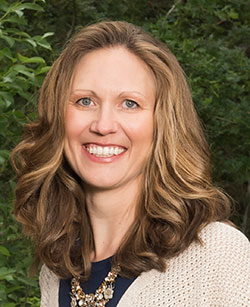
(108, 293)
(81, 303)
(90, 298)
(98, 299)
(73, 302)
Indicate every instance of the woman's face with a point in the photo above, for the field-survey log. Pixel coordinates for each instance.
(109, 118)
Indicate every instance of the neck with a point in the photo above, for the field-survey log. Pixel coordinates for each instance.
(111, 212)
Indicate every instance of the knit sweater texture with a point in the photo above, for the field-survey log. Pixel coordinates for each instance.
(214, 274)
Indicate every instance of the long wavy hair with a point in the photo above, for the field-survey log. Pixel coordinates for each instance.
(177, 197)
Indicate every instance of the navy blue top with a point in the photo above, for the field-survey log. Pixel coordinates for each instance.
(99, 271)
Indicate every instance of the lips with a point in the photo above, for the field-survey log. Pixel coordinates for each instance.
(104, 151)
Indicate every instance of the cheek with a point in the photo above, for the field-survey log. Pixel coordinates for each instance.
(141, 130)
(73, 123)
(69, 122)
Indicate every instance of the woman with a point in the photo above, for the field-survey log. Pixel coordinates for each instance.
(114, 182)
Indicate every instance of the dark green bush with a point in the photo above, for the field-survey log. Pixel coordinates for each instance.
(211, 39)
(22, 70)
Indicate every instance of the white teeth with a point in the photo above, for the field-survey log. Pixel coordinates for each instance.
(106, 151)
(99, 150)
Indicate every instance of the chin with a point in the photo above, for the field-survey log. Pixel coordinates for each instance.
(99, 183)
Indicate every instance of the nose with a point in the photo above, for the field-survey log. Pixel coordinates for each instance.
(105, 122)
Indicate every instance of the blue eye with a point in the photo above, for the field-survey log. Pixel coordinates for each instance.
(84, 102)
(130, 104)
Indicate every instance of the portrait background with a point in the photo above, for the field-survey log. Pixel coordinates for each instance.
(211, 40)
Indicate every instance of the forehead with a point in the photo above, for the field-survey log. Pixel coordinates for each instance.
(115, 67)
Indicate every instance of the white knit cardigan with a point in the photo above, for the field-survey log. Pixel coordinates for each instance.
(216, 273)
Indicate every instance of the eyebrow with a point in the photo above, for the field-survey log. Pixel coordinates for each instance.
(76, 91)
(123, 93)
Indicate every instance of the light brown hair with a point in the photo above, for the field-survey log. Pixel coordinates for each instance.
(177, 197)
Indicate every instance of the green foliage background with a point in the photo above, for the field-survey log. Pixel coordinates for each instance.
(211, 39)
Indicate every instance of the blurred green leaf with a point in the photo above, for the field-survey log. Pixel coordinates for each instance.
(6, 274)
(3, 250)
(8, 39)
(6, 99)
(24, 59)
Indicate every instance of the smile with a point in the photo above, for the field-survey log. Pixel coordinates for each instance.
(104, 151)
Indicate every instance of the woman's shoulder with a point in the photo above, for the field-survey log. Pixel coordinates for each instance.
(214, 273)
(49, 286)
(219, 267)
(220, 231)
(225, 240)
(223, 253)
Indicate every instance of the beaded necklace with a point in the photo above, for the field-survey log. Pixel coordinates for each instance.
(101, 296)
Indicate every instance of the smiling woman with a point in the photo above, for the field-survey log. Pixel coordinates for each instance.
(114, 182)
